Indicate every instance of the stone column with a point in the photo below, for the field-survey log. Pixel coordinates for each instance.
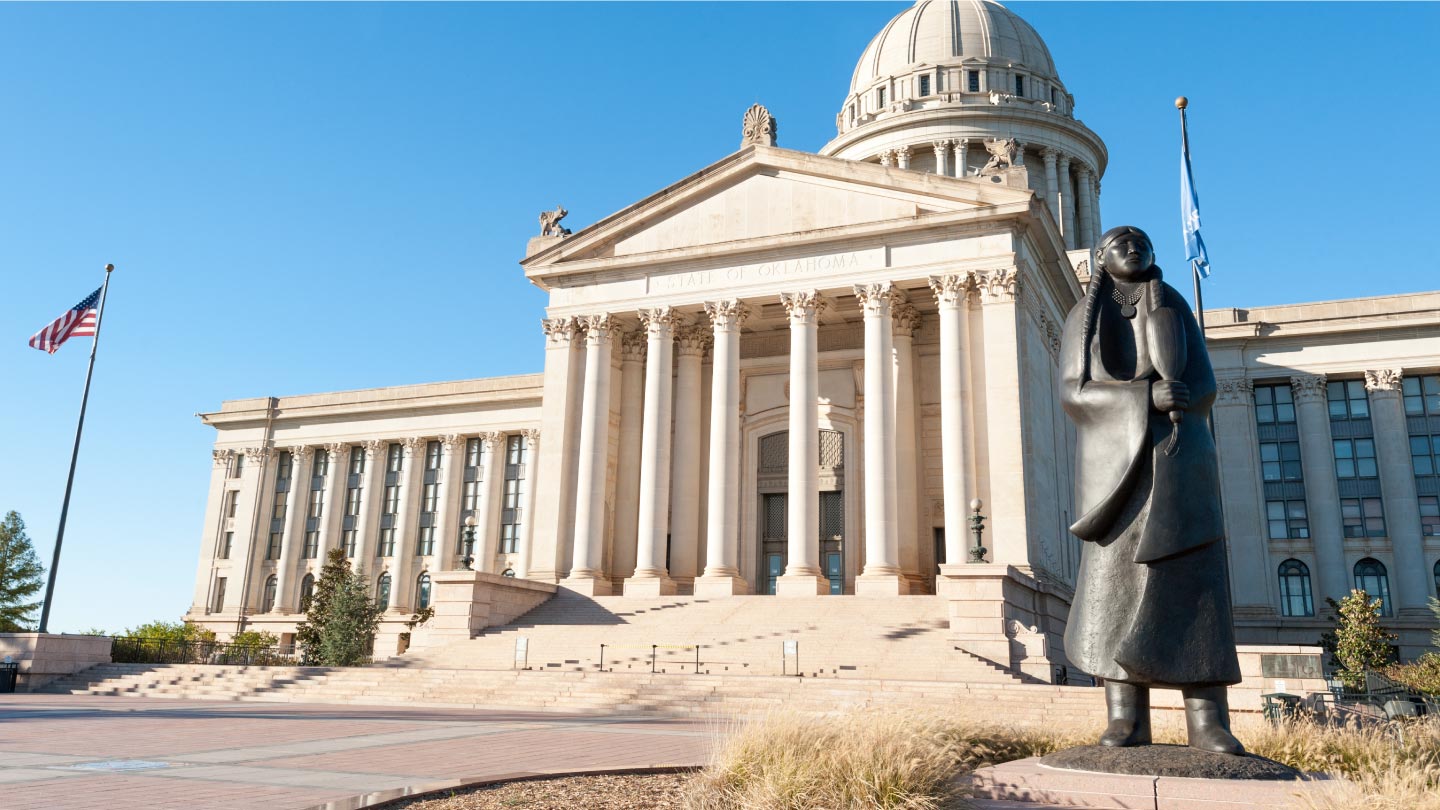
(952, 296)
(1067, 203)
(887, 157)
(1322, 494)
(907, 458)
(487, 507)
(331, 521)
(214, 532)
(690, 345)
(1052, 186)
(651, 575)
(527, 525)
(942, 158)
(1252, 577)
(1096, 221)
(881, 576)
(554, 526)
(803, 576)
(1087, 212)
(296, 501)
(722, 531)
(961, 147)
(257, 538)
(447, 508)
(371, 494)
(1006, 530)
(407, 526)
(632, 423)
(902, 157)
(586, 575)
(247, 524)
(1397, 484)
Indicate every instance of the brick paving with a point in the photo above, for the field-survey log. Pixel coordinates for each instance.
(60, 751)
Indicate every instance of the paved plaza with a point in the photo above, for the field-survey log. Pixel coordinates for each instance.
(60, 752)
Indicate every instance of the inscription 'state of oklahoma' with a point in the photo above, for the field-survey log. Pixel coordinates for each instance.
(785, 268)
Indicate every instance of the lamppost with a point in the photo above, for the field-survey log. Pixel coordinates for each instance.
(469, 559)
(977, 527)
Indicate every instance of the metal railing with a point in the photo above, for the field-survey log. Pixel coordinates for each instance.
(141, 650)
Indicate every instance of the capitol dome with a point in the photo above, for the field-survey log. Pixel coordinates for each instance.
(944, 76)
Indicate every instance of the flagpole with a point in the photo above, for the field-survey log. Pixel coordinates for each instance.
(74, 455)
(1180, 104)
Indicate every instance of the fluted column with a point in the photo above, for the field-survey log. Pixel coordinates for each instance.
(722, 531)
(1052, 185)
(1067, 203)
(407, 526)
(256, 480)
(942, 158)
(1397, 486)
(902, 157)
(295, 502)
(802, 574)
(1096, 221)
(1322, 493)
(881, 576)
(447, 508)
(371, 494)
(690, 345)
(527, 524)
(1086, 210)
(586, 575)
(1252, 576)
(652, 578)
(554, 467)
(627, 472)
(962, 147)
(215, 519)
(487, 508)
(907, 456)
(333, 518)
(952, 297)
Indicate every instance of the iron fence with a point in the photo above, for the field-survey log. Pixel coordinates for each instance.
(140, 650)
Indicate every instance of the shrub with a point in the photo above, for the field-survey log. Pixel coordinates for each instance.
(341, 620)
(1422, 676)
(178, 632)
(1358, 642)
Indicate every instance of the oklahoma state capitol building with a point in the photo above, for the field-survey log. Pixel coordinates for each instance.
(791, 373)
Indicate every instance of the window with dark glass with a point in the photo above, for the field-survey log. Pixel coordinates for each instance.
(1430, 515)
(232, 502)
(1422, 395)
(354, 486)
(390, 501)
(268, 600)
(924, 85)
(1437, 578)
(1355, 458)
(1348, 400)
(1371, 578)
(511, 499)
(1363, 517)
(284, 465)
(1425, 454)
(237, 465)
(1287, 520)
(1020, 86)
(972, 81)
(880, 97)
(1274, 404)
(272, 546)
(429, 500)
(422, 592)
(307, 591)
(1280, 461)
(1054, 97)
(473, 477)
(219, 595)
(227, 544)
(382, 592)
(1295, 598)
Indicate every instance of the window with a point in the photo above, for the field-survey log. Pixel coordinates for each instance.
(429, 500)
(307, 591)
(354, 487)
(1274, 404)
(1355, 458)
(511, 508)
(357, 461)
(269, 598)
(232, 502)
(1422, 395)
(1054, 97)
(219, 595)
(1371, 578)
(1295, 598)
(382, 592)
(422, 592)
(1280, 461)
(237, 465)
(1348, 400)
(386, 547)
(390, 500)
(272, 547)
(972, 81)
(312, 544)
(1362, 517)
(924, 86)
(1287, 520)
(227, 543)
(851, 114)
(395, 458)
(473, 476)
(880, 97)
(1430, 515)
(1019, 86)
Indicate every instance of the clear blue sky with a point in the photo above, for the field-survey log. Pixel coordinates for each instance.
(319, 197)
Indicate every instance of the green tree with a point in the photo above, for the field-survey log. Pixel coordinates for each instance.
(178, 632)
(341, 622)
(1358, 642)
(21, 577)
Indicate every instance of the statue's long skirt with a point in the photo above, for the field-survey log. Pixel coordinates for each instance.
(1166, 623)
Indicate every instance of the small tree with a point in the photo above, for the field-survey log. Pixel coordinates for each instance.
(20, 577)
(177, 632)
(1359, 642)
(341, 622)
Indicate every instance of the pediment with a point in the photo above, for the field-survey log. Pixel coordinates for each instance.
(762, 194)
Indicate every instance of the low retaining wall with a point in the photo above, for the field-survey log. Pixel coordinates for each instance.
(44, 657)
(467, 602)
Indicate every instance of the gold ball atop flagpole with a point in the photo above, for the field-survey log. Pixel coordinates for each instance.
(109, 267)
(1181, 103)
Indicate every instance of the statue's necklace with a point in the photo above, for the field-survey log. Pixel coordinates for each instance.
(1126, 301)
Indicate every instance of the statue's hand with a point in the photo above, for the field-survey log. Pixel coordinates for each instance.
(1170, 395)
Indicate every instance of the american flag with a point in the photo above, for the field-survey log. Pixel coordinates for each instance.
(78, 321)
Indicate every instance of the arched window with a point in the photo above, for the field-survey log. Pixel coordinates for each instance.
(1295, 598)
(1437, 578)
(382, 592)
(422, 592)
(1371, 578)
(307, 591)
(510, 572)
(269, 599)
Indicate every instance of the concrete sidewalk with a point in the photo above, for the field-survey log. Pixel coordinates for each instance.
(59, 752)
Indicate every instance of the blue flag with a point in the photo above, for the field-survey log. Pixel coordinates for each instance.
(1190, 213)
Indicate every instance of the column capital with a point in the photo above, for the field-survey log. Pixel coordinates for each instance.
(902, 152)
(953, 289)
(632, 347)
(599, 328)
(559, 331)
(998, 285)
(532, 437)
(451, 442)
(887, 157)
(303, 452)
(659, 321)
(691, 341)
(728, 314)
(334, 449)
(374, 446)
(222, 457)
(491, 438)
(1049, 154)
(1064, 161)
(1083, 172)
(803, 307)
(906, 320)
(1383, 380)
(878, 299)
(1308, 387)
(414, 445)
(257, 455)
(942, 146)
(1234, 391)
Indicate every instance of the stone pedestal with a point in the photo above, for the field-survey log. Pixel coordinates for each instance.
(645, 586)
(711, 587)
(801, 585)
(881, 585)
(467, 602)
(588, 586)
(44, 657)
(1002, 614)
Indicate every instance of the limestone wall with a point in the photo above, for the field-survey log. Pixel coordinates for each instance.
(44, 657)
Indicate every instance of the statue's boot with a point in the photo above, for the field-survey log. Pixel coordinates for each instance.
(1128, 707)
(1207, 719)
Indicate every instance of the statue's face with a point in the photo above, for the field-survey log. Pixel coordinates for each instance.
(1128, 257)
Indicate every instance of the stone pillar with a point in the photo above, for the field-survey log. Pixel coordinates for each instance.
(1397, 484)
(256, 501)
(722, 531)
(690, 345)
(1067, 203)
(528, 516)
(1096, 221)
(907, 456)
(553, 527)
(942, 158)
(1020, 153)
(1052, 186)
(1086, 210)
(803, 576)
(632, 423)
(952, 297)
(447, 507)
(1322, 494)
(296, 501)
(487, 508)
(407, 526)
(881, 576)
(586, 575)
(332, 520)
(902, 157)
(1252, 577)
(961, 147)
(214, 531)
(652, 577)
(371, 493)
(1009, 540)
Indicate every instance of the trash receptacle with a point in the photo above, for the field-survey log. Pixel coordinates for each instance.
(8, 673)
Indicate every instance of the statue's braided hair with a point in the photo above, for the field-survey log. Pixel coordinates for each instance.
(1101, 279)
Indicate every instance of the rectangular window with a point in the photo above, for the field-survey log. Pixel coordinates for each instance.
(426, 545)
(395, 459)
(924, 86)
(470, 489)
(511, 511)
(1347, 400)
(227, 543)
(312, 544)
(357, 461)
(277, 505)
(430, 498)
(1280, 461)
(1422, 395)
(316, 508)
(880, 98)
(321, 466)
(1362, 517)
(232, 501)
(1054, 97)
(1019, 86)
(1355, 458)
(387, 543)
(237, 465)
(219, 595)
(1274, 404)
(1425, 454)
(1287, 520)
(972, 81)
(1430, 515)
(272, 548)
(348, 539)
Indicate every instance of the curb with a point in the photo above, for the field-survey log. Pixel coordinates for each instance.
(433, 789)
